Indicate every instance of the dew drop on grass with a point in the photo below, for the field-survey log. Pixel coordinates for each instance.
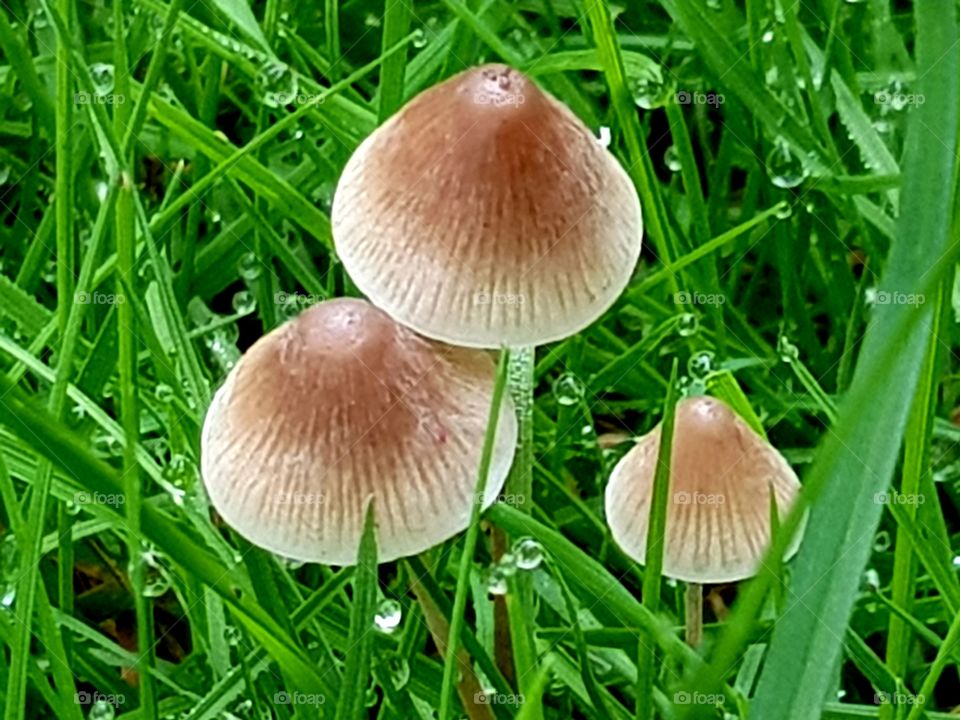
(528, 553)
(244, 302)
(787, 351)
(870, 580)
(249, 267)
(507, 564)
(687, 325)
(786, 170)
(4, 173)
(767, 37)
(278, 84)
(784, 211)
(103, 77)
(101, 710)
(399, 670)
(163, 393)
(388, 615)
(9, 569)
(881, 542)
(496, 581)
(715, 4)
(650, 91)
(232, 635)
(700, 364)
(568, 389)
(419, 38)
(671, 159)
(956, 561)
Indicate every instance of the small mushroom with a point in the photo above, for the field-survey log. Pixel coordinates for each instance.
(340, 405)
(485, 213)
(722, 475)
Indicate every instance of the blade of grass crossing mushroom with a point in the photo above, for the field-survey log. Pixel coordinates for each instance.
(653, 567)
(356, 675)
(470, 542)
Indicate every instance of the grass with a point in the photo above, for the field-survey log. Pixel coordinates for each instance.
(166, 173)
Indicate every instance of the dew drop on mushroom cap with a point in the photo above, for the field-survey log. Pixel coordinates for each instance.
(342, 404)
(485, 213)
(718, 506)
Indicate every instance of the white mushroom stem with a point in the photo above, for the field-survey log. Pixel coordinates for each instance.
(693, 604)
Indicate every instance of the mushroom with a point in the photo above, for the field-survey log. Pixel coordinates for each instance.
(342, 405)
(722, 478)
(485, 213)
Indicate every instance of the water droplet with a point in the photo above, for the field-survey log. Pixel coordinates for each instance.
(787, 351)
(399, 670)
(687, 325)
(9, 569)
(244, 302)
(232, 635)
(496, 581)
(249, 267)
(278, 84)
(956, 561)
(101, 710)
(419, 38)
(389, 613)
(786, 169)
(871, 580)
(605, 137)
(715, 4)
(528, 553)
(767, 37)
(163, 393)
(700, 364)
(103, 78)
(650, 91)
(4, 173)
(881, 542)
(672, 159)
(568, 389)
(784, 211)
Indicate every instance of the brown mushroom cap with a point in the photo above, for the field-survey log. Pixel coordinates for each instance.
(718, 508)
(485, 213)
(340, 405)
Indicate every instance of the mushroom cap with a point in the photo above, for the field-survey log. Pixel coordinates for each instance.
(341, 405)
(718, 508)
(485, 213)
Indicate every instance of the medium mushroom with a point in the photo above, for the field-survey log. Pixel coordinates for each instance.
(341, 405)
(722, 479)
(485, 213)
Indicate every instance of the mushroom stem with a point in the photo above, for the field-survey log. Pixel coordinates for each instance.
(693, 604)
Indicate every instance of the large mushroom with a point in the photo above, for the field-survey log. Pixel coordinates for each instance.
(485, 213)
(342, 405)
(723, 478)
